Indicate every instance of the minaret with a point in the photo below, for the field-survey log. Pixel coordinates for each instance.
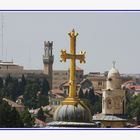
(48, 59)
(113, 98)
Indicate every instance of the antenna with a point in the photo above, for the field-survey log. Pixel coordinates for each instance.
(2, 34)
(29, 58)
(113, 63)
(6, 54)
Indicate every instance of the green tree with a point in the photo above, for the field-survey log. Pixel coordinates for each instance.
(81, 94)
(21, 86)
(91, 96)
(45, 87)
(8, 80)
(1, 88)
(43, 100)
(1, 83)
(2, 93)
(40, 115)
(94, 102)
(133, 107)
(30, 96)
(11, 90)
(138, 114)
(23, 80)
(86, 95)
(9, 117)
(97, 107)
(27, 119)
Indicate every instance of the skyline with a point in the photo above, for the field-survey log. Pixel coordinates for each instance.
(112, 35)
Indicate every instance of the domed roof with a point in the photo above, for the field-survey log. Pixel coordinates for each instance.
(113, 73)
(113, 79)
(73, 113)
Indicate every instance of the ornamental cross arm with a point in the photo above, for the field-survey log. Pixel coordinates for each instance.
(64, 56)
(81, 57)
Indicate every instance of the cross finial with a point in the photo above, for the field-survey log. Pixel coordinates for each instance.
(73, 30)
(113, 63)
(73, 57)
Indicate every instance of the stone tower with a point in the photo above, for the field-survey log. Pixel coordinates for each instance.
(48, 59)
(113, 100)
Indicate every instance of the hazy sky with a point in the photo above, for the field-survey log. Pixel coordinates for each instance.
(105, 36)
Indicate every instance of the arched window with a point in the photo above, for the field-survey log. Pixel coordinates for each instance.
(46, 51)
(50, 51)
(109, 103)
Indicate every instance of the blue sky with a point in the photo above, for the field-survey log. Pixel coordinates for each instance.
(105, 36)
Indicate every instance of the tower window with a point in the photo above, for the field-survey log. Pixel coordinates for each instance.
(50, 52)
(99, 83)
(110, 79)
(109, 103)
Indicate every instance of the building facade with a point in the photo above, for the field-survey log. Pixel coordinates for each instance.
(113, 102)
(59, 76)
(62, 76)
(98, 80)
(113, 98)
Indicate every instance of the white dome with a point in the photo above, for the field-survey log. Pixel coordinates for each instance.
(113, 79)
(113, 73)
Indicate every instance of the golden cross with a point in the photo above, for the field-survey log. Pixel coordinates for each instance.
(72, 56)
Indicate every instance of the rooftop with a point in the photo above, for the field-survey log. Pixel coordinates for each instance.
(103, 117)
(13, 104)
(71, 124)
(9, 63)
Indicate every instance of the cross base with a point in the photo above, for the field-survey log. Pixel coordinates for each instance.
(70, 101)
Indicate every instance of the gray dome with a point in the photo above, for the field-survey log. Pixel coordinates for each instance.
(73, 113)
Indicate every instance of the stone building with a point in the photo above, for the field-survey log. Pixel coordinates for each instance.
(85, 85)
(59, 76)
(62, 76)
(56, 96)
(78, 74)
(10, 68)
(98, 80)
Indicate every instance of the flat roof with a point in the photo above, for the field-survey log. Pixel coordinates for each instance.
(103, 117)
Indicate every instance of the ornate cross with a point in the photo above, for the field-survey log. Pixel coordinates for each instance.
(72, 56)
